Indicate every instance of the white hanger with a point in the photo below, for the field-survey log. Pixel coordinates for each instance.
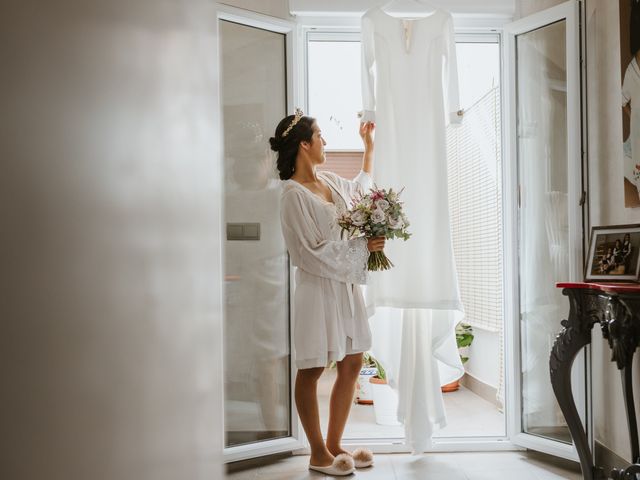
(410, 7)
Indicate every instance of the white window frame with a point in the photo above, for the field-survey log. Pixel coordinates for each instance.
(568, 11)
(290, 30)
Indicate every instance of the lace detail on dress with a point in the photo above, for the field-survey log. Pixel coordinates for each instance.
(357, 257)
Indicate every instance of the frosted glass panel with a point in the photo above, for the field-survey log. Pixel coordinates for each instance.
(256, 339)
(544, 221)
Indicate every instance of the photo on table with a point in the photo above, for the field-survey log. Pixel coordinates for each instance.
(614, 254)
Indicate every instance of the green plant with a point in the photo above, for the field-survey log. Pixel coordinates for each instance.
(464, 337)
(369, 360)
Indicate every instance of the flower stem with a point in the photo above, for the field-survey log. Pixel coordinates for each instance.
(378, 261)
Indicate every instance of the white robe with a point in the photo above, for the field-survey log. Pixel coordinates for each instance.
(409, 85)
(631, 95)
(329, 315)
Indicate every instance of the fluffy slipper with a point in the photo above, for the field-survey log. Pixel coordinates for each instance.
(362, 457)
(342, 465)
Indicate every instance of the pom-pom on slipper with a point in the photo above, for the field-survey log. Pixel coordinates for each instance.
(362, 457)
(342, 465)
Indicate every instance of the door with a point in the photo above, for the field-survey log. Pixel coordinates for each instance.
(259, 416)
(545, 216)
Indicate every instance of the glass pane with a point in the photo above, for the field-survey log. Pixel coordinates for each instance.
(544, 226)
(478, 70)
(335, 92)
(256, 320)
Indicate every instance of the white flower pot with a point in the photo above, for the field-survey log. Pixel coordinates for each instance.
(385, 402)
(363, 388)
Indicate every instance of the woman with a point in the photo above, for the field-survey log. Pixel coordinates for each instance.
(330, 319)
(626, 252)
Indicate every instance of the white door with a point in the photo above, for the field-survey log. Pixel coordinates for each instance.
(544, 217)
(255, 69)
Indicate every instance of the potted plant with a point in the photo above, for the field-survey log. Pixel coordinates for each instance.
(464, 338)
(385, 400)
(368, 370)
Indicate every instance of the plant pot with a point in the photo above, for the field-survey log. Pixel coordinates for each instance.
(450, 387)
(385, 402)
(363, 387)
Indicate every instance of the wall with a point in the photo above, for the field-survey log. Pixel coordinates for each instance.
(606, 200)
(110, 353)
(484, 357)
(274, 8)
(528, 7)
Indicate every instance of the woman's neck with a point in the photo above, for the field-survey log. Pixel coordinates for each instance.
(305, 173)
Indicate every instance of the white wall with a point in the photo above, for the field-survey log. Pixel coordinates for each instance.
(484, 357)
(275, 8)
(110, 303)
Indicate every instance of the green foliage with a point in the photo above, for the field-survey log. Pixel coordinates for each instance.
(370, 361)
(464, 337)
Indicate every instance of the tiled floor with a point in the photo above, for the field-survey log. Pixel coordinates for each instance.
(468, 415)
(432, 466)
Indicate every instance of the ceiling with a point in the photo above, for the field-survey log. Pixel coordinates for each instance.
(500, 8)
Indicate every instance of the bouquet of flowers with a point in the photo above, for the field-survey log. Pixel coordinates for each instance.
(376, 214)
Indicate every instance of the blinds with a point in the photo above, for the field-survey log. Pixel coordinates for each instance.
(475, 202)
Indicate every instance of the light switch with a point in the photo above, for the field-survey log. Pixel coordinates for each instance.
(243, 231)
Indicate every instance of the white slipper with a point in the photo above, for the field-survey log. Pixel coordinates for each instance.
(342, 465)
(362, 457)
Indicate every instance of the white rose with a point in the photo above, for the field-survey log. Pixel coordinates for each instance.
(396, 223)
(382, 204)
(358, 218)
(378, 216)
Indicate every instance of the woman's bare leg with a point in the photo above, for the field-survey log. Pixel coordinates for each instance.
(307, 404)
(341, 400)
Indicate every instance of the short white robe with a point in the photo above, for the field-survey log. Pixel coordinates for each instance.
(329, 314)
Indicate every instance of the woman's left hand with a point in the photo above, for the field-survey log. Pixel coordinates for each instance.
(366, 133)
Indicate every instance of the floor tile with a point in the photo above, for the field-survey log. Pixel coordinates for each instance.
(520, 465)
(433, 466)
(467, 415)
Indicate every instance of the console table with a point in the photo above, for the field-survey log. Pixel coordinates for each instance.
(616, 308)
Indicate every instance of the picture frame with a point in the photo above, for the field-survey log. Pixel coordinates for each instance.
(614, 254)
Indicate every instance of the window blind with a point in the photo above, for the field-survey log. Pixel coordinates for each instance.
(475, 202)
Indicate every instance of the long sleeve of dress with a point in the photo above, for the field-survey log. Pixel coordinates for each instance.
(450, 74)
(341, 260)
(368, 72)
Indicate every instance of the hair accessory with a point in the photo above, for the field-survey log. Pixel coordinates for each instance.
(299, 115)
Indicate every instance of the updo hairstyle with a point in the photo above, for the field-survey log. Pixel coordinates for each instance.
(287, 146)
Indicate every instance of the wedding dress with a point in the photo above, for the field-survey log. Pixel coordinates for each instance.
(409, 84)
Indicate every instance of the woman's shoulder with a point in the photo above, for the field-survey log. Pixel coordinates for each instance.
(333, 177)
(633, 70)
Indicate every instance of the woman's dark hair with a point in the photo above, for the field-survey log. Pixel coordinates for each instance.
(634, 27)
(287, 146)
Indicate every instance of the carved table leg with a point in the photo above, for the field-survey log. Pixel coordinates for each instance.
(627, 389)
(623, 336)
(573, 337)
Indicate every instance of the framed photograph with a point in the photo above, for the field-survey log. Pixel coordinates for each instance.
(614, 254)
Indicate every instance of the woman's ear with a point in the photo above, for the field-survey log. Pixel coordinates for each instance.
(305, 145)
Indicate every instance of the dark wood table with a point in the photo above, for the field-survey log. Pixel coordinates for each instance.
(616, 308)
